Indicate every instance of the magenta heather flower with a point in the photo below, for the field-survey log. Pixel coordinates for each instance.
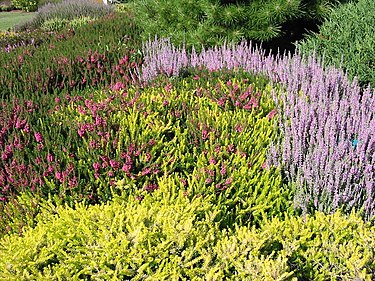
(151, 187)
(118, 86)
(114, 164)
(223, 170)
(272, 114)
(59, 176)
(212, 160)
(50, 157)
(96, 166)
(126, 168)
(208, 180)
(38, 137)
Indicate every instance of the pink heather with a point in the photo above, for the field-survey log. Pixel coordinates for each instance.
(38, 137)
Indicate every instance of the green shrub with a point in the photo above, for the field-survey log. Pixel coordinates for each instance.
(211, 22)
(168, 236)
(347, 39)
(6, 8)
(160, 239)
(55, 24)
(10, 41)
(25, 5)
(206, 134)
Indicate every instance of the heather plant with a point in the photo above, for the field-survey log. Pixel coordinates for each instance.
(75, 59)
(25, 5)
(346, 39)
(67, 10)
(57, 24)
(206, 135)
(10, 41)
(327, 150)
(168, 235)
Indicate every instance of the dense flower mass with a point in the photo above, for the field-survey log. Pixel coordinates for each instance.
(327, 121)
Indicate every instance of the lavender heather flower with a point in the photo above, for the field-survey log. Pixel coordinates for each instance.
(318, 116)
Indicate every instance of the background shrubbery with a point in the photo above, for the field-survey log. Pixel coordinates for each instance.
(66, 10)
(25, 5)
(346, 39)
(211, 22)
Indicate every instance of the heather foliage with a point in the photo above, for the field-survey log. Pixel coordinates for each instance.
(167, 235)
(58, 24)
(25, 5)
(205, 134)
(327, 150)
(13, 40)
(346, 39)
(74, 59)
(67, 10)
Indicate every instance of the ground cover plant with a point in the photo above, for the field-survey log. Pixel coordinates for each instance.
(66, 11)
(77, 58)
(128, 161)
(169, 236)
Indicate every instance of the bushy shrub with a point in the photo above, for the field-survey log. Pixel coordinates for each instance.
(55, 24)
(58, 24)
(6, 8)
(346, 39)
(160, 239)
(73, 59)
(10, 41)
(168, 236)
(67, 10)
(44, 2)
(212, 22)
(25, 5)
(325, 120)
(204, 134)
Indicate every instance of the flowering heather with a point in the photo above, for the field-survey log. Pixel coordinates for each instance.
(327, 121)
(67, 9)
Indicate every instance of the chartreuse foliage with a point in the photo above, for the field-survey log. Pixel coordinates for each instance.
(25, 5)
(168, 236)
(206, 136)
(346, 39)
(207, 133)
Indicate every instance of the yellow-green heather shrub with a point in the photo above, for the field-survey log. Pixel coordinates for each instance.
(168, 236)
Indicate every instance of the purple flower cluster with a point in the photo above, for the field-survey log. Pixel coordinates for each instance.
(327, 122)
